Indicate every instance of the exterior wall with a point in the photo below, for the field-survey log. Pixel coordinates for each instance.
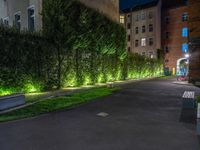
(14, 6)
(175, 40)
(108, 7)
(130, 20)
(194, 37)
(8, 9)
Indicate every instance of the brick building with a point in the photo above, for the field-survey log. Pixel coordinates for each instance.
(175, 37)
(26, 14)
(194, 39)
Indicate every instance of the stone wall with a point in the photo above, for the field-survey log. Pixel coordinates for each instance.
(108, 7)
(194, 25)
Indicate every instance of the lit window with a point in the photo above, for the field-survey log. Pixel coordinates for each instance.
(185, 48)
(150, 41)
(122, 19)
(17, 21)
(143, 29)
(31, 18)
(150, 28)
(184, 17)
(143, 42)
(185, 32)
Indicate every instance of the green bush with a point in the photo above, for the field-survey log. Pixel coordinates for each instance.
(78, 46)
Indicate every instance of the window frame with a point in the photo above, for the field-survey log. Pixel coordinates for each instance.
(32, 16)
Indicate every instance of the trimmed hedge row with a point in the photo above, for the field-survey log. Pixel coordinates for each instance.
(78, 46)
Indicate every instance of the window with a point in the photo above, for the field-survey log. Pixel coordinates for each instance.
(167, 35)
(184, 17)
(150, 15)
(166, 61)
(166, 49)
(136, 30)
(185, 32)
(143, 42)
(137, 17)
(151, 54)
(167, 19)
(143, 29)
(185, 48)
(150, 28)
(129, 38)
(143, 53)
(143, 16)
(136, 43)
(129, 25)
(122, 19)
(150, 41)
(31, 18)
(17, 20)
(6, 21)
(129, 49)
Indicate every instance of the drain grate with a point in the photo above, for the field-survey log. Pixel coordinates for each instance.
(103, 114)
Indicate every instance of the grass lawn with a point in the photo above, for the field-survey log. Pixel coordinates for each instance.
(59, 103)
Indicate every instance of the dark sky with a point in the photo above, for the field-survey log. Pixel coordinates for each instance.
(124, 4)
(129, 3)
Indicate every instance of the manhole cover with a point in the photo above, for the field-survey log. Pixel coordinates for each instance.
(102, 114)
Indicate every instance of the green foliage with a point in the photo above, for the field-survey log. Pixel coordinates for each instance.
(78, 46)
(50, 105)
(198, 99)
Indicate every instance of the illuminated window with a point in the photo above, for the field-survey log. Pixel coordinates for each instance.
(143, 42)
(185, 32)
(185, 48)
(122, 19)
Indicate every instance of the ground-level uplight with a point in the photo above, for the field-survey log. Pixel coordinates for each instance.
(187, 55)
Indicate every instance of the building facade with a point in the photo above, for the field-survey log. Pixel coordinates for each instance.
(175, 38)
(26, 14)
(194, 40)
(143, 26)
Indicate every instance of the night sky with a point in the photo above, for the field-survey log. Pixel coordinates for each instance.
(124, 4)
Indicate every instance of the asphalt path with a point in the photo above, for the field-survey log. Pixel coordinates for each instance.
(144, 115)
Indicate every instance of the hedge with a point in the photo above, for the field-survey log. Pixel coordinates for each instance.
(78, 46)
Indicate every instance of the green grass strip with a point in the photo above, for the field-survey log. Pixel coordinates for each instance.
(59, 103)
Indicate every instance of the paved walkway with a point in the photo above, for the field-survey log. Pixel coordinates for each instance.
(143, 116)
